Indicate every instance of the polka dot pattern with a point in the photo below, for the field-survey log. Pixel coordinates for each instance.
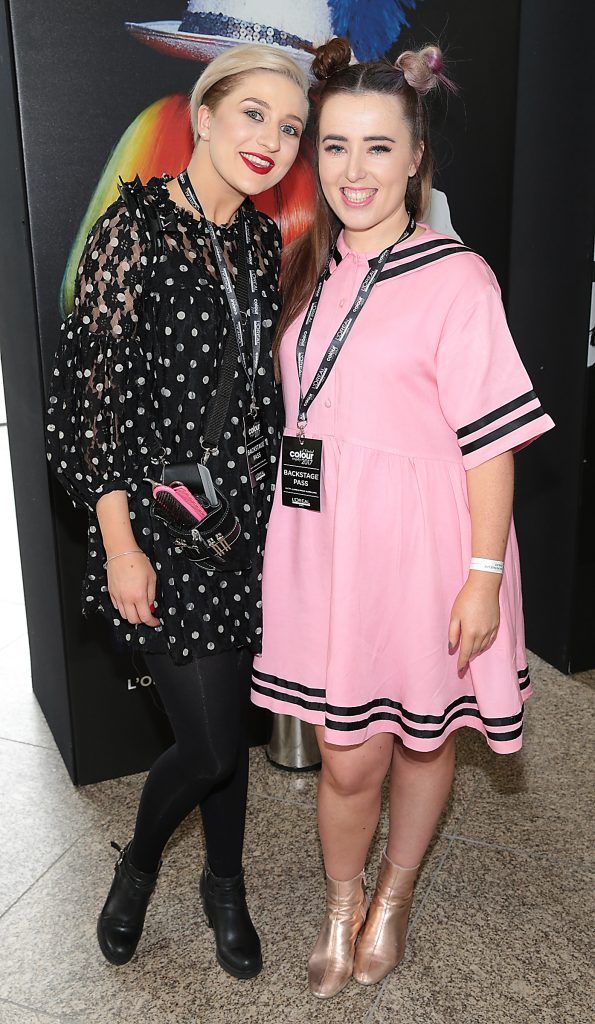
(134, 374)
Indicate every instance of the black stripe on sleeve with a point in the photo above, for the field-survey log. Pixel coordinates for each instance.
(496, 414)
(534, 414)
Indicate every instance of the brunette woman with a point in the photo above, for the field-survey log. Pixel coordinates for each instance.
(137, 374)
(392, 600)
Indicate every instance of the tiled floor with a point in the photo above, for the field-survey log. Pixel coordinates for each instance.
(500, 922)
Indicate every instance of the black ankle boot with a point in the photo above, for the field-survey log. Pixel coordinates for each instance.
(224, 903)
(121, 921)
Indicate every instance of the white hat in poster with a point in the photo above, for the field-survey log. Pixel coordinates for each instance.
(211, 26)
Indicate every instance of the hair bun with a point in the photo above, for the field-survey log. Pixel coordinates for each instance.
(423, 69)
(333, 56)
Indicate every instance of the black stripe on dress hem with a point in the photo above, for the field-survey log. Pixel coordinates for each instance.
(404, 268)
(496, 414)
(361, 709)
(534, 414)
(387, 716)
(427, 734)
(287, 698)
(339, 712)
(505, 737)
(310, 691)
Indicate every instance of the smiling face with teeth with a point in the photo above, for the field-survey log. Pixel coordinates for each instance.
(251, 139)
(365, 160)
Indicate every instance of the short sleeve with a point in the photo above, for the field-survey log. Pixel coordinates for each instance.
(98, 393)
(484, 390)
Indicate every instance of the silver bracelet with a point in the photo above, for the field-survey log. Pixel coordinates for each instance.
(135, 551)
(487, 565)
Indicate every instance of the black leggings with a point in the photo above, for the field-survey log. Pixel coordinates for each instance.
(206, 702)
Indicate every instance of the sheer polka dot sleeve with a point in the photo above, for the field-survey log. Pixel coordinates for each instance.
(98, 402)
(277, 247)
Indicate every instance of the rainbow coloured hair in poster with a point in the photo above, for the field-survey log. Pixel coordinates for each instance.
(159, 140)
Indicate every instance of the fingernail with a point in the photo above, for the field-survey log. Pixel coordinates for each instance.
(151, 608)
(450, 647)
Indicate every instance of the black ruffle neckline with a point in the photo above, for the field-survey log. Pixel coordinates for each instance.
(170, 207)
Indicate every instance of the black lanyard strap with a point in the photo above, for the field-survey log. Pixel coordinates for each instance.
(332, 353)
(247, 244)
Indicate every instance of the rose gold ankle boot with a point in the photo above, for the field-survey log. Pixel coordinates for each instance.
(382, 943)
(331, 964)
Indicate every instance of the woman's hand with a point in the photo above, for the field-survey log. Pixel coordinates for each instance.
(131, 579)
(475, 617)
(131, 582)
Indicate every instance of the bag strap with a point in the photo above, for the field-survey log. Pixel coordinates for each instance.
(220, 401)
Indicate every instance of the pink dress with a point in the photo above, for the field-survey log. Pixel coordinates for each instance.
(357, 598)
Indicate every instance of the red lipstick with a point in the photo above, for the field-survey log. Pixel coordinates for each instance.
(264, 165)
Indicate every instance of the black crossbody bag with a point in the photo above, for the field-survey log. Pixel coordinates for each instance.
(212, 538)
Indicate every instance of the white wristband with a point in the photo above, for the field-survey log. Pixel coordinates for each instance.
(487, 565)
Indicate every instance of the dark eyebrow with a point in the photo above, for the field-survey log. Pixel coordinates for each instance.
(263, 103)
(367, 138)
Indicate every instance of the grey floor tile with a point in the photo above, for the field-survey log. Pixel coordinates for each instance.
(21, 718)
(42, 814)
(10, 1013)
(540, 798)
(502, 938)
(269, 782)
(175, 977)
(15, 660)
(13, 622)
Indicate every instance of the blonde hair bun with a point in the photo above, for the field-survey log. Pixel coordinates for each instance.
(423, 69)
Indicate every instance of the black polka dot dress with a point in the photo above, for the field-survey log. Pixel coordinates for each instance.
(136, 368)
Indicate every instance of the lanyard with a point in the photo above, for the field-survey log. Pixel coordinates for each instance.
(332, 352)
(232, 299)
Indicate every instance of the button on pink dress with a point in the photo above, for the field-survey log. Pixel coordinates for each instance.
(357, 598)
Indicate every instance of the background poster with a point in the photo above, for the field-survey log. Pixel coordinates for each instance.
(82, 81)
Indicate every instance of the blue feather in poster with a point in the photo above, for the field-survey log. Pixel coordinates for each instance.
(372, 25)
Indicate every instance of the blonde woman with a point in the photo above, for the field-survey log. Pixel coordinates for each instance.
(177, 286)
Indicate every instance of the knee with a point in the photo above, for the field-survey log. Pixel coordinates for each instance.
(347, 780)
(207, 772)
